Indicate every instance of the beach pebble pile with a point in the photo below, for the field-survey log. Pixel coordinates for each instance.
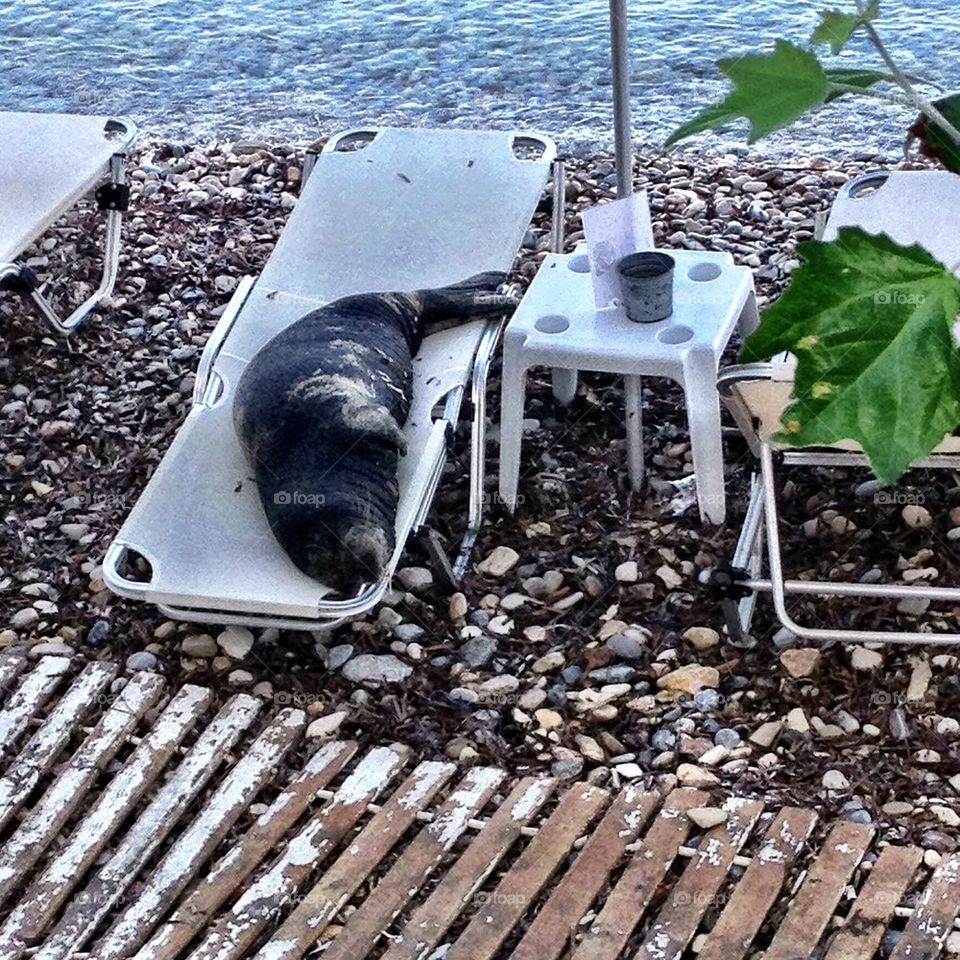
(583, 641)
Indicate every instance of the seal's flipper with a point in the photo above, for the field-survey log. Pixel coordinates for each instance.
(474, 297)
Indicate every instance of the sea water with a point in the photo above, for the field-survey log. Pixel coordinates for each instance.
(296, 69)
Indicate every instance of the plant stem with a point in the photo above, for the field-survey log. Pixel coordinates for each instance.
(923, 105)
(898, 98)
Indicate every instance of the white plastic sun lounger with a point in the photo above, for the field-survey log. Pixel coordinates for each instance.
(382, 210)
(911, 207)
(47, 163)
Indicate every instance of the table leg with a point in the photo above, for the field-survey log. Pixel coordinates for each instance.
(564, 385)
(632, 403)
(703, 416)
(513, 392)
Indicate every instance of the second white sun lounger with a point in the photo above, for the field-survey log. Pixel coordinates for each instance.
(911, 207)
(389, 210)
(47, 163)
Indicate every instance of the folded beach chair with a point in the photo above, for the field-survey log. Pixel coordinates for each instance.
(47, 163)
(381, 210)
(920, 207)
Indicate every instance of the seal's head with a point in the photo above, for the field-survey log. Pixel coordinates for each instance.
(330, 522)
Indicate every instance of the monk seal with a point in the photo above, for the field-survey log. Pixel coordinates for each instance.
(320, 411)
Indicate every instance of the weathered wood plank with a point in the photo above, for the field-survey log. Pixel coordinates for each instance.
(45, 821)
(552, 930)
(195, 845)
(759, 888)
(43, 748)
(34, 691)
(45, 896)
(811, 910)
(11, 666)
(306, 924)
(681, 913)
(888, 881)
(199, 907)
(521, 884)
(150, 828)
(934, 913)
(236, 931)
(606, 937)
(423, 931)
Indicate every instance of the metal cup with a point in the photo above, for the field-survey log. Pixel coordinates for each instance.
(646, 286)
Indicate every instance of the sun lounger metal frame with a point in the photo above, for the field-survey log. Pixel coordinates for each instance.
(112, 197)
(756, 394)
(207, 390)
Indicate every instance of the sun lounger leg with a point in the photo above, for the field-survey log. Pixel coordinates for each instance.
(478, 442)
(112, 198)
(780, 587)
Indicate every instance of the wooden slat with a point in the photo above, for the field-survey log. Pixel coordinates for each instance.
(237, 930)
(888, 881)
(934, 913)
(29, 697)
(519, 887)
(11, 666)
(45, 821)
(811, 909)
(678, 918)
(552, 930)
(67, 867)
(423, 931)
(606, 937)
(258, 843)
(759, 888)
(306, 924)
(43, 748)
(194, 846)
(150, 828)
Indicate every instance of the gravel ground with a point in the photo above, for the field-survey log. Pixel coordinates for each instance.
(583, 642)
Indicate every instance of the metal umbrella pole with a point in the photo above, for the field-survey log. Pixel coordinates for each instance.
(623, 160)
(622, 133)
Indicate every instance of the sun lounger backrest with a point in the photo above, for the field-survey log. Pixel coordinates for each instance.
(408, 210)
(47, 162)
(910, 206)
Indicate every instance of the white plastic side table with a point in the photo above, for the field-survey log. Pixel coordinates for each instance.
(558, 325)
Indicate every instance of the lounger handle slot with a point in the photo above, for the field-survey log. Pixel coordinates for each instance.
(864, 186)
(115, 580)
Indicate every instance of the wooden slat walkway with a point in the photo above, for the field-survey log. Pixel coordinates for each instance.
(126, 833)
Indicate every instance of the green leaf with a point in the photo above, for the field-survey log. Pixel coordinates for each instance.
(836, 27)
(870, 323)
(854, 77)
(771, 90)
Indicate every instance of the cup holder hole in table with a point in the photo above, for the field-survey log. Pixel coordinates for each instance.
(580, 263)
(552, 323)
(675, 334)
(701, 272)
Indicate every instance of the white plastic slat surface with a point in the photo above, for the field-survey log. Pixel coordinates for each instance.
(47, 162)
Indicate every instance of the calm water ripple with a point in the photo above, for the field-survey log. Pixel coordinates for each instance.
(293, 69)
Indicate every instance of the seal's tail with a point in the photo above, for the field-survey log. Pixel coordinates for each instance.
(477, 296)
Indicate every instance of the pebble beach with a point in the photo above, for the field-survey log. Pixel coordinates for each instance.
(583, 642)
